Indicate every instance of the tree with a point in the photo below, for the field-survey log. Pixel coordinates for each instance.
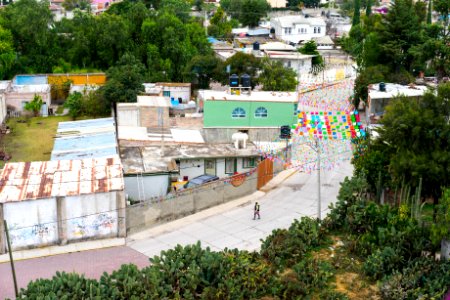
(35, 105)
(252, 11)
(30, 23)
(369, 8)
(73, 4)
(180, 8)
(356, 13)
(7, 53)
(441, 228)
(429, 12)
(240, 63)
(416, 136)
(124, 80)
(310, 48)
(201, 69)
(220, 26)
(276, 77)
(75, 105)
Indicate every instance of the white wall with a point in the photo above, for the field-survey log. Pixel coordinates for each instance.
(15, 99)
(128, 116)
(2, 108)
(178, 91)
(296, 33)
(31, 223)
(189, 168)
(153, 186)
(101, 216)
(220, 167)
(298, 65)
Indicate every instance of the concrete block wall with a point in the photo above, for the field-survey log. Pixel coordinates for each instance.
(149, 117)
(61, 220)
(152, 213)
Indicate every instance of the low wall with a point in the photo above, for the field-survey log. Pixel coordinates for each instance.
(223, 135)
(59, 220)
(158, 211)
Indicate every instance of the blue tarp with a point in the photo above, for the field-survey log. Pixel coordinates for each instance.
(213, 40)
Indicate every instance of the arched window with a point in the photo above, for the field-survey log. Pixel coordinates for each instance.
(238, 112)
(261, 112)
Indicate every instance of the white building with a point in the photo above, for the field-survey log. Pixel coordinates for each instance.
(294, 29)
(300, 63)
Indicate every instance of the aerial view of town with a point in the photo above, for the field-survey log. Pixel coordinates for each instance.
(225, 149)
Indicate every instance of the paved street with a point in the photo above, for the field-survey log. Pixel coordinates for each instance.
(235, 228)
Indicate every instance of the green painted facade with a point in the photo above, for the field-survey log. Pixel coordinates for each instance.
(217, 113)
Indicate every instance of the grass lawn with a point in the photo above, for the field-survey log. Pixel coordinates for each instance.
(32, 141)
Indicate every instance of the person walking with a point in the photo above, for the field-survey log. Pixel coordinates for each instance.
(256, 211)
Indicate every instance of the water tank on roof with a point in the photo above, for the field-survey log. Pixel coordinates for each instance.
(256, 46)
(245, 80)
(234, 80)
(382, 87)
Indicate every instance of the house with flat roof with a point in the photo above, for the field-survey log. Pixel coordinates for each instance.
(295, 29)
(380, 95)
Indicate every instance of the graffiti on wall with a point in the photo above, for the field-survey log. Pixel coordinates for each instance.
(37, 234)
(90, 226)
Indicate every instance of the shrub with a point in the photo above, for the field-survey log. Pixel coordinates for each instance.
(382, 262)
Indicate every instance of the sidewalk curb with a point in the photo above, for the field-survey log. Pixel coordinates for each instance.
(69, 248)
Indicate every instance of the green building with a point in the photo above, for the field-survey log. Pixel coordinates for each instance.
(256, 110)
(259, 114)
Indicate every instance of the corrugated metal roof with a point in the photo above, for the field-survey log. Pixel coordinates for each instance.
(47, 179)
(85, 139)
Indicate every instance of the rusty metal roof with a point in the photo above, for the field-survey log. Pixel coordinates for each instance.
(47, 179)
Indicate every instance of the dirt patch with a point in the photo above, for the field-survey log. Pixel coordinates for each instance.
(354, 287)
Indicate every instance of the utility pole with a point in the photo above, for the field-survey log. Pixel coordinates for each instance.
(319, 200)
(16, 290)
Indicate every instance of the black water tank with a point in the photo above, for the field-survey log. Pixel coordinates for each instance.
(245, 80)
(256, 46)
(234, 80)
(382, 87)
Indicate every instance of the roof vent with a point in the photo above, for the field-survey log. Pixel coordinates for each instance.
(382, 87)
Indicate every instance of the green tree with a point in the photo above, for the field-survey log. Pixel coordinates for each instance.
(35, 105)
(356, 13)
(180, 8)
(31, 23)
(220, 26)
(440, 230)
(310, 48)
(7, 53)
(201, 69)
(73, 4)
(240, 63)
(252, 11)
(429, 12)
(276, 77)
(416, 136)
(75, 105)
(124, 80)
(369, 8)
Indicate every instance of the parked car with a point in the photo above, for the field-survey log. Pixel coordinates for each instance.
(199, 180)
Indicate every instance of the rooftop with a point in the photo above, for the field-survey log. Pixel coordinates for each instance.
(211, 95)
(32, 88)
(47, 179)
(394, 90)
(288, 55)
(179, 84)
(150, 159)
(85, 139)
(4, 84)
(277, 46)
(153, 101)
(290, 21)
